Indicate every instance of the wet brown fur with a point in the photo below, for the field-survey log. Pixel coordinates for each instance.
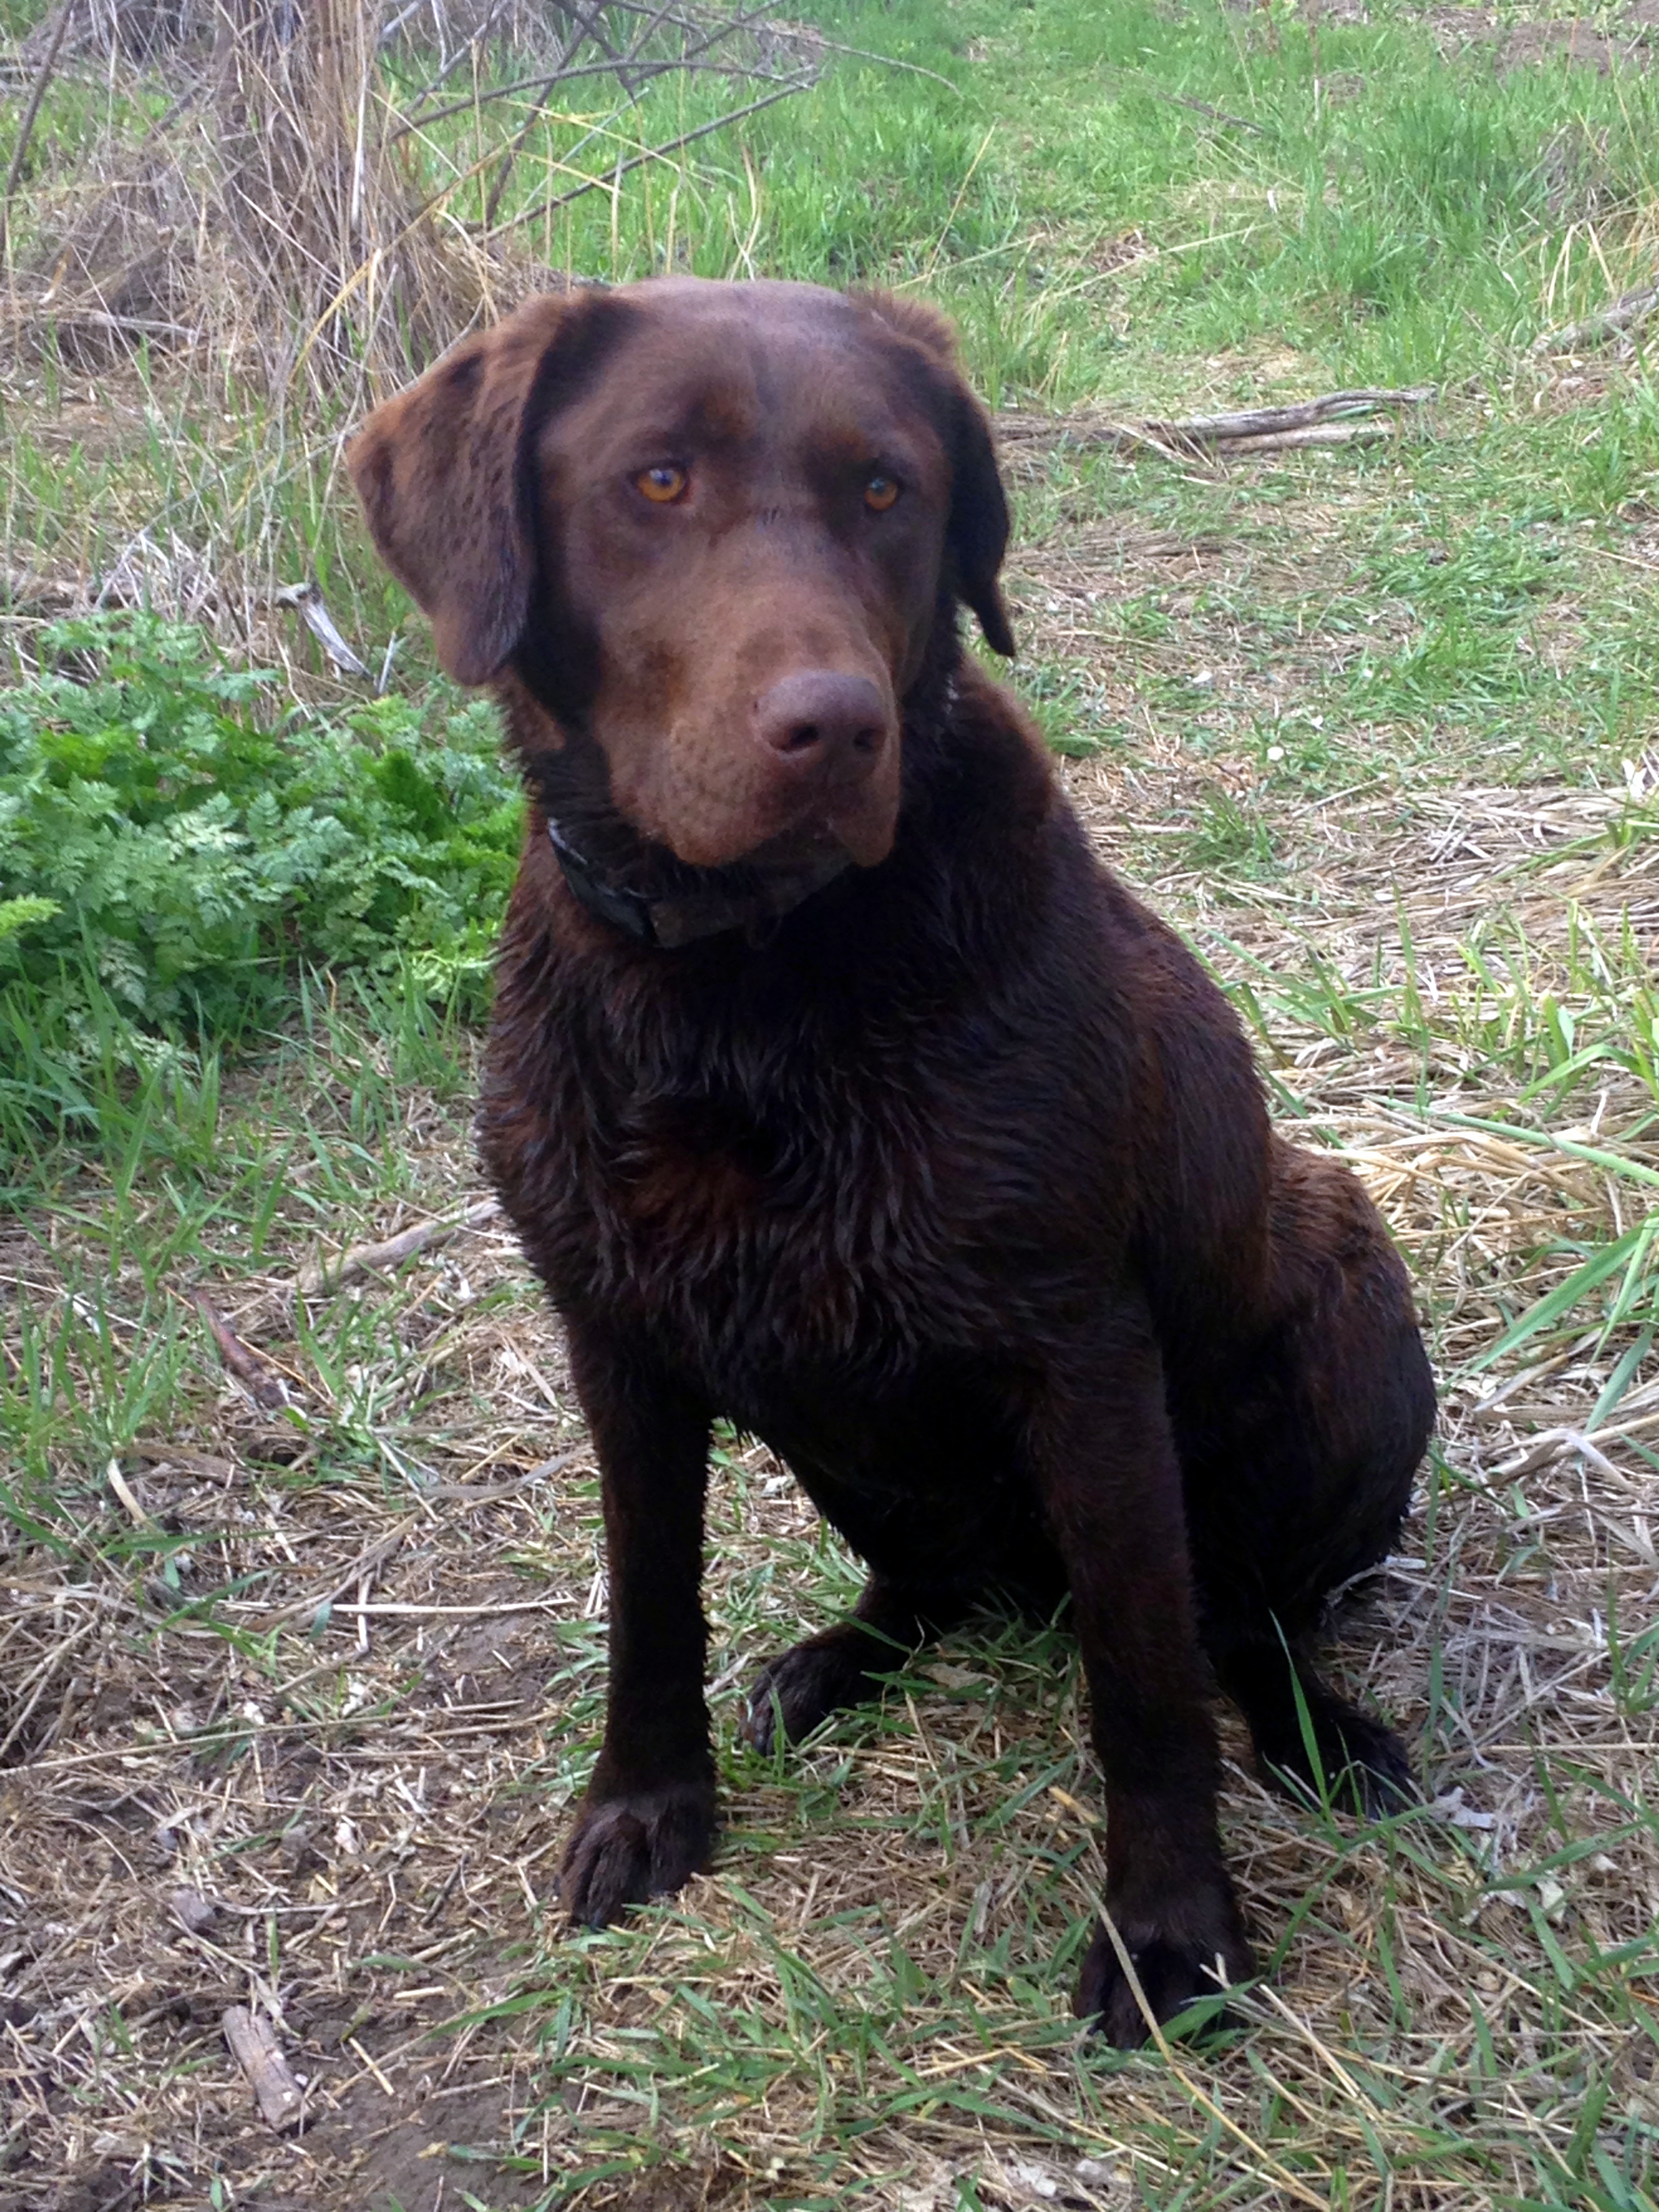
(957, 1185)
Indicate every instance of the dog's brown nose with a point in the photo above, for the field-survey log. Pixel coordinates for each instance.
(825, 722)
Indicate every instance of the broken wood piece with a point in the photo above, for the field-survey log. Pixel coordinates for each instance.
(252, 1369)
(121, 326)
(1313, 433)
(373, 1259)
(1628, 312)
(1336, 418)
(254, 2047)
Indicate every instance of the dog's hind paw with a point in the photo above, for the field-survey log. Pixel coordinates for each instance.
(1363, 1765)
(624, 1850)
(807, 1683)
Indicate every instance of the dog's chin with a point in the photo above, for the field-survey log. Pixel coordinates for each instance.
(861, 833)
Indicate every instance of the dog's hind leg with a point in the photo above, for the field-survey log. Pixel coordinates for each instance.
(1299, 1467)
(843, 1665)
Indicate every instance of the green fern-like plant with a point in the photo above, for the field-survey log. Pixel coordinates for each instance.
(176, 839)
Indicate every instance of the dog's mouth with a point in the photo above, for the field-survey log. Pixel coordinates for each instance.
(781, 831)
(808, 846)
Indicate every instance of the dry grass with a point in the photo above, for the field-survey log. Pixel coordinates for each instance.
(317, 200)
(332, 1664)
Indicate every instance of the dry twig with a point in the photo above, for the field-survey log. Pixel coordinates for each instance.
(25, 126)
(325, 1275)
(250, 1369)
(1338, 418)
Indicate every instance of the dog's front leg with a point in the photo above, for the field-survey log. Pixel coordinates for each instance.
(1104, 1462)
(647, 1822)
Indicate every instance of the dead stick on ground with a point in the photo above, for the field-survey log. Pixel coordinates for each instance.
(251, 1370)
(119, 326)
(1314, 434)
(373, 1259)
(1259, 421)
(254, 2046)
(1333, 420)
(1628, 312)
(1144, 85)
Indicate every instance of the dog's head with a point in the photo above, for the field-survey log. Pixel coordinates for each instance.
(713, 527)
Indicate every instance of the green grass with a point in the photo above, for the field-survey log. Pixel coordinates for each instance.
(1373, 726)
(1421, 219)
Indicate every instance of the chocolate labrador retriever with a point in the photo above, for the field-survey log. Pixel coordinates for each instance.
(834, 1087)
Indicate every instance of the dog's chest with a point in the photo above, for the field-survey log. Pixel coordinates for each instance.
(817, 1215)
(748, 1230)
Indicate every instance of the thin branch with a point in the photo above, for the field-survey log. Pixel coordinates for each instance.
(1628, 312)
(1312, 434)
(136, 326)
(1265, 421)
(26, 128)
(546, 83)
(461, 52)
(1137, 79)
(810, 37)
(376, 1259)
(1334, 420)
(652, 154)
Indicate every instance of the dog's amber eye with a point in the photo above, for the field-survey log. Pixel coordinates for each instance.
(880, 492)
(664, 483)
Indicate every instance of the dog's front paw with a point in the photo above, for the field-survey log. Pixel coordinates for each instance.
(640, 1844)
(1189, 1945)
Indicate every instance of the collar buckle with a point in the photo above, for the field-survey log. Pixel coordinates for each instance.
(628, 911)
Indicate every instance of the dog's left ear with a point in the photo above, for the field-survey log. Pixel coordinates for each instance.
(979, 522)
(977, 533)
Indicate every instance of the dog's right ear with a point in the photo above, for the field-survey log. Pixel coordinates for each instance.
(441, 470)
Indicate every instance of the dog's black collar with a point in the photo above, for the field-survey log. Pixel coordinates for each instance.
(669, 922)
